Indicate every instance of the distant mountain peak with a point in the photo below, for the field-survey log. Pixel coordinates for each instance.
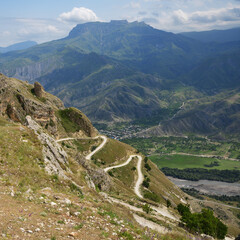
(18, 46)
(103, 27)
(119, 22)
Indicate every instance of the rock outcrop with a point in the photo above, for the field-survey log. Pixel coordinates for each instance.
(19, 99)
(55, 157)
(38, 89)
(98, 176)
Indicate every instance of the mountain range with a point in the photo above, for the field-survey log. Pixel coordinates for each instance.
(18, 46)
(58, 172)
(221, 36)
(121, 71)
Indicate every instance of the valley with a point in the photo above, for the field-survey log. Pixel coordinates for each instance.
(157, 155)
(74, 177)
(138, 76)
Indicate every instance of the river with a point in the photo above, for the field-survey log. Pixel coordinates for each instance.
(209, 187)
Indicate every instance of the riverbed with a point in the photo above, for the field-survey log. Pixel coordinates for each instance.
(209, 187)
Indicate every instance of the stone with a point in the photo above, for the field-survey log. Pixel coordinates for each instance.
(53, 204)
(38, 90)
(67, 201)
(73, 234)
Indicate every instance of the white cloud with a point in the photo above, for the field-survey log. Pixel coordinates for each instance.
(178, 20)
(79, 15)
(134, 5)
(39, 30)
(179, 17)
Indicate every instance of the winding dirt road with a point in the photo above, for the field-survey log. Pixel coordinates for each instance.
(139, 170)
(139, 164)
(89, 156)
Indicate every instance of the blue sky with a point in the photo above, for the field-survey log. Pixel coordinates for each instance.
(45, 20)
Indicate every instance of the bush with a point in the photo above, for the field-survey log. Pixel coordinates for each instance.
(203, 222)
(168, 203)
(152, 196)
(146, 165)
(146, 208)
(195, 174)
(145, 184)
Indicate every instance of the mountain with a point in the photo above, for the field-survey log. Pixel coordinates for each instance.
(220, 36)
(18, 46)
(53, 164)
(108, 90)
(216, 73)
(215, 116)
(121, 71)
(136, 44)
(64, 175)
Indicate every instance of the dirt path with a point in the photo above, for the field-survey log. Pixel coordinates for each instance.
(154, 226)
(140, 177)
(64, 139)
(160, 213)
(89, 156)
(139, 170)
(159, 210)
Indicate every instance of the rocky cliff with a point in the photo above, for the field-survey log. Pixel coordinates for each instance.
(19, 99)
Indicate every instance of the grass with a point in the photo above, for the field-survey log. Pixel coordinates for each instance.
(182, 162)
(159, 185)
(85, 145)
(21, 161)
(126, 173)
(113, 151)
(69, 125)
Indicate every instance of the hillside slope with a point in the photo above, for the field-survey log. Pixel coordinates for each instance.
(216, 74)
(216, 116)
(121, 71)
(62, 182)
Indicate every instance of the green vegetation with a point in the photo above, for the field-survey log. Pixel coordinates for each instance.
(190, 144)
(157, 116)
(84, 144)
(66, 121)
(187, 166)
(113, 151)
(125, 174)
(203, 222)
(21, 161)
(79, 226)
(146, 182)
(184, 161)
(223, 198)
(169, 204)
(195, 174)
(152, 196)
(146, 208)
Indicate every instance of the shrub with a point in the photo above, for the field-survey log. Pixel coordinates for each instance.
(203, 222)
(169, 203)
(152, 196)
(146, 208)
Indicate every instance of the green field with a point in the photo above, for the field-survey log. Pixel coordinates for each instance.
(182, 162)
(190, 144)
